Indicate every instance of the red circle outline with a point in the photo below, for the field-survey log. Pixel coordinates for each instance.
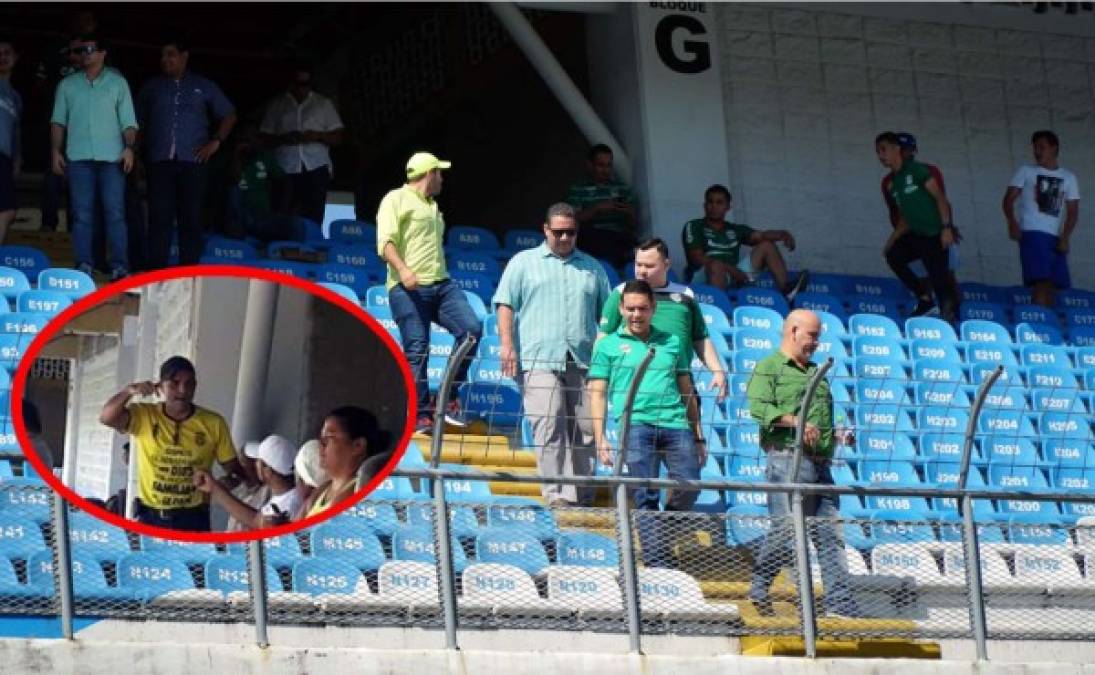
(234, 271)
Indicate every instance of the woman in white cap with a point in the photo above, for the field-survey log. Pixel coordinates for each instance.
(274, 460)
(310, 475)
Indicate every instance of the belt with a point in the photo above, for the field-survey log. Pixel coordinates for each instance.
(816, 459)
(168, 514)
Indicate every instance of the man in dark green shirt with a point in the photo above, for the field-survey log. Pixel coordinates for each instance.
(607, 210)
(775, 394)
(924, 231)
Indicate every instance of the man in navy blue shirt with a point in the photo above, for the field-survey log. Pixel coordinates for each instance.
(174, 112)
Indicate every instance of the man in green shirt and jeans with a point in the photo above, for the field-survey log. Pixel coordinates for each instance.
(775, 394)
(665, 421)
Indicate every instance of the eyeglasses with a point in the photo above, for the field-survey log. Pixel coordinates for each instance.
(563, 234)
(84, 50)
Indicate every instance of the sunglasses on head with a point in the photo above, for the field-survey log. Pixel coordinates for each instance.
(84, 50)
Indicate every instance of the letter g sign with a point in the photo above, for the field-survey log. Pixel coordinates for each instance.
(698, 50)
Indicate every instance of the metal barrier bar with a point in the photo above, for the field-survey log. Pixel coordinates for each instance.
(971, 425)
(623, 516)
(257, 581)
(62, 564)
(802, 548)
(443, 548)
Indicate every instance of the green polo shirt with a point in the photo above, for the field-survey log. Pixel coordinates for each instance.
(776, 389)
(94, 115)
(913, 200)
(558, 299)
(676, 312)
(413, 224)
(584, 195)
(722, 244)
(658, 401)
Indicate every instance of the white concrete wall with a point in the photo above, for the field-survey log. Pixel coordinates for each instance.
(93, 453)
(807, 88)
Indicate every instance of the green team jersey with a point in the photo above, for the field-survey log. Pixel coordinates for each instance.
(676, 311)
(584, 195)
(915, 203)
(256, 181)
(723, 244)
(658, 402)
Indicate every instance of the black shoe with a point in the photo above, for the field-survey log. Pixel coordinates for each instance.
(798, 286)
(923, 306)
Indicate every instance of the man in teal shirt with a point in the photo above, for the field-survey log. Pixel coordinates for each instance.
(775, 394)
(92, 133)
(558, 290)
(665, 421)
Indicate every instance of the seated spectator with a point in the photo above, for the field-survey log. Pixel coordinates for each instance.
(274, 459)
(607, 210)
(714, 245)
(350, 435)
(310, 474)
(251, 211)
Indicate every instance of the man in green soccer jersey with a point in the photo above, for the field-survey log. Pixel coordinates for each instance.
(607, 210)
(924, 231)
(714, 245)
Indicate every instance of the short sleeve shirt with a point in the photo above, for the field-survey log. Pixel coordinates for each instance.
(913, 200)
(11, 114)
(1043, 197)
(658, 401)
(723, 244)
(169, 451)
(413, 224)
(676, 311)
(175, 115)
(255, 183)
(776, 389)
(558, 300)
(584, 195)
(94, 114)
(315, 113)
(287, 504)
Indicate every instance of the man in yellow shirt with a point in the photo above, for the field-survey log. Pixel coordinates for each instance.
(173, 439)
(410, 235)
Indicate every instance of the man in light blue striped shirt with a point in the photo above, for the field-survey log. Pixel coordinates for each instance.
(558, 291)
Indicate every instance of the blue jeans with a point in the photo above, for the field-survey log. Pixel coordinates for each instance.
(86, 180)
(442, 303)
(776, 551)
(647, 447)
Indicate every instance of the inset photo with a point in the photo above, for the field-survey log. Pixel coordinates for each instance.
(225, 405)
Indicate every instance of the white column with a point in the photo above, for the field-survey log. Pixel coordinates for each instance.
(255, 348)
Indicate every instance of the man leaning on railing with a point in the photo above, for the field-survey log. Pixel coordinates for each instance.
(775, 394)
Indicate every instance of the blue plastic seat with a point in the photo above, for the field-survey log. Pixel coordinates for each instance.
(350, 540)
(12, 282)
(379, 518)
(880, 368)
(1064, 425)
(763, 297)
(23, 322)
(713, 296)
(1035, 314)
(716, 319)
(1038, 333)
(886, 472)
(586, 549)
(17, 501)
(891, 527)
(1021, 478)
(509, 546)
(42, 302)
(416, 543)
(744, 439)
(754, 339)
(498, 403)
(478, 306)
(352, 232)
(27, 259)
(884, 287)
(761, 318)
(872, 390)
(187, 552)
(944, 474)
(519, 240)
(983, 311)
(1085, 357)
(747, 525)
(1074, 478)
(281, 552)
(746, 360)
(829, 284)
(73, 283)
(300, 270)
(1080, 318)
(383, 316)
(936, 371)
(869, 305)
(343, 291)
(1004, 422)
(942, 420)
(466, 491)
(929, 329)
(463, 523)
(1014, 450)
(473, 262)
(821, 302)
(896, 446)
(1069, 452)
(376, 296)
(974, 292)
(475, 282)
(354, 278)
(228, 573)
(871, 325)
(985, 332)
(235, 250)
(1051, 377)
(323, 576)
(152, 574)
(523, 514)
(472, 238)
(913, 508)
(20, 537)
(1045, 355)
(1006, 395)
(1034, 529)
(611, 272)
(362, 257)
(99, 540)
(946, 447)
(934, 350)
(944, 393)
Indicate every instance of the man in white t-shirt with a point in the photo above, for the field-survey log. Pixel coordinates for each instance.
(274, 459)
(1049, 208)
(301, 125)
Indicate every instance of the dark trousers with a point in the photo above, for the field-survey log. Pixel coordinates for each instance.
(308, 193)
(175, 191)
(53, 186)
(618, 248)
(928, 249)
(194, 519)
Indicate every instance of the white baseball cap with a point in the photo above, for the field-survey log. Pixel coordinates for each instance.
(307, 464)
(275, 451)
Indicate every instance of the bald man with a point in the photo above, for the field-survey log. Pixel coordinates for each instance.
(775, 394)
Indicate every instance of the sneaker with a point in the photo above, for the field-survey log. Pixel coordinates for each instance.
(118, 273)
(923, 306)
(86, 269)
(424, 425)
(454, 415)
(798, 286)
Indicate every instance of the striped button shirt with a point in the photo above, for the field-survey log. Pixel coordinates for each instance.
(558, 300)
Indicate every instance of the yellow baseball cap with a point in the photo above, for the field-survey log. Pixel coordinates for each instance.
(421, 162)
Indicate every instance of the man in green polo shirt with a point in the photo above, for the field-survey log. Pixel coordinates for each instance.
(713, 246)
(665, 421)
(775, 394)
(92, 132)
(607, 210)
(924, 231)
(676, 311)
(409, 236)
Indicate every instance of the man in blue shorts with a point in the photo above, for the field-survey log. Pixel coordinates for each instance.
(1049, 207)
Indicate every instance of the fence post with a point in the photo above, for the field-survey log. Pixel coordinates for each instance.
(446, 573)
(969, 528)
(798, 514)
(257, 581)
(623, 517)
(62, 564)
